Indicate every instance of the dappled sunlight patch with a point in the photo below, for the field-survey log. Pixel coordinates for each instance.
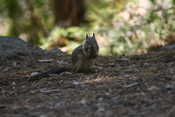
(102, 79)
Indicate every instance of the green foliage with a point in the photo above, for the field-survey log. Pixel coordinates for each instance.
(39, 3)
(126, 37)
(70, 33)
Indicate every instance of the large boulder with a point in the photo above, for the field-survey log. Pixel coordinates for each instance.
(14, 46)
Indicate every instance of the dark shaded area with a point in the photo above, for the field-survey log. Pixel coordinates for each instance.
(69, 12)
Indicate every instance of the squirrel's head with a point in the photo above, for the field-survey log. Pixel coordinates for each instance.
(90, 46)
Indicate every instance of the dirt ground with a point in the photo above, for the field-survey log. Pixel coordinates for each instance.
(124, 86)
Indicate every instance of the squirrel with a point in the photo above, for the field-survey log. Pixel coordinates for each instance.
(83, 57)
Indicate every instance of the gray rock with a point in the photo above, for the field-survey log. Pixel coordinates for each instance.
(14, 46)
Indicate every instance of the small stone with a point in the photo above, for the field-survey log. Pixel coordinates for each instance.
(34, 73)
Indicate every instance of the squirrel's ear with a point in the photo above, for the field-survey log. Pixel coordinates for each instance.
(93, 35)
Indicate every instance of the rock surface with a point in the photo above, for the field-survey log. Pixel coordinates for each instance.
(13, 46)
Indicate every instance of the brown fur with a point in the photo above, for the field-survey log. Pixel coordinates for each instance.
(83, 56)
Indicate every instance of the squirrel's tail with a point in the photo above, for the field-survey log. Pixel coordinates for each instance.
(48, 73)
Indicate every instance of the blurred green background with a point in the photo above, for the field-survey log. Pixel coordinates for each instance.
(122, 26)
